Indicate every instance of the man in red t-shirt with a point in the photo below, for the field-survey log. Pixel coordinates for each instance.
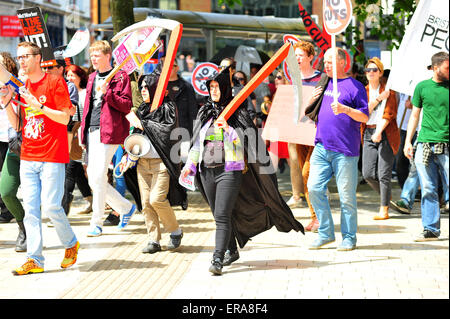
(44, 153)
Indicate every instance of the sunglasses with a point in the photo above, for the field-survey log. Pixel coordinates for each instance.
(239, 79)
(49, 67)
(279, 77)
(370, 70)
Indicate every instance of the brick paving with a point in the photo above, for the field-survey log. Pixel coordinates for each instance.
(387, 263)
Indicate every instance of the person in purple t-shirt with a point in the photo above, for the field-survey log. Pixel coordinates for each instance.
(336, 152)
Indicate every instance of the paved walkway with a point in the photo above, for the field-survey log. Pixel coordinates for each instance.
(386, 264)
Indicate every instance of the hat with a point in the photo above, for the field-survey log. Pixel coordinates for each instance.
(377, 62)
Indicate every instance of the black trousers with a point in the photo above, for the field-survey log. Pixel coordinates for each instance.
(74, 175)
(377, 162)
(222, 189)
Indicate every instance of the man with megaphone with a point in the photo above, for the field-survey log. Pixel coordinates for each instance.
(157, 173)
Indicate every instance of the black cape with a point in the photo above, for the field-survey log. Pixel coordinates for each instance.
(259, 205)
(157, 127)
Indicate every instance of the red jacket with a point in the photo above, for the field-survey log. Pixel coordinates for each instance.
(116, 103)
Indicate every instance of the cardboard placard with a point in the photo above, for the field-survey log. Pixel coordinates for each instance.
(336, 15)
(35, 30)
(280, 125)
(174, 41)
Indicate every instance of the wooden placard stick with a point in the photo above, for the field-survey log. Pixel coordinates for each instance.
(271, 65)
(172, 49)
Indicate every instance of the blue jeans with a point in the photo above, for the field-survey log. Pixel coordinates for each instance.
(429, 180)
(325, 164)
(411, 186)
(43, 185)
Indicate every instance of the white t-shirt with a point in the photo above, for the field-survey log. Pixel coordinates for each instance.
(377, 113)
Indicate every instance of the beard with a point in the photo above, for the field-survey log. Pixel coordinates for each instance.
(441, 76)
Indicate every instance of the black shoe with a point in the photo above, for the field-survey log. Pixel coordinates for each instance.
(151, 248)
(230, 257)
(426, 235)
(216, 267)
(111, 220)
(6, 217)
(175, 241)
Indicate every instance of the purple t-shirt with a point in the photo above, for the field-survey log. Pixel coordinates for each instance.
(340, 133)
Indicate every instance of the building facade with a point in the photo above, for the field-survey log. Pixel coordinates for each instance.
(63, 18)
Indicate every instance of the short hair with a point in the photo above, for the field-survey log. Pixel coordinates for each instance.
(102, 46)
(80, 73)
(438, 58)
(8, 62)
(306, 46)
(35, 49)
(340, 54)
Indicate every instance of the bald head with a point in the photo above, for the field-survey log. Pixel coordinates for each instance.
(341, 61)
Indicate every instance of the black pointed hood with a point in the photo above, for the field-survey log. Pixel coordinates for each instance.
(224, 79)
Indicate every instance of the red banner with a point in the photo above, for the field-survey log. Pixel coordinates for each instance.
(321, 38)
(10, 26)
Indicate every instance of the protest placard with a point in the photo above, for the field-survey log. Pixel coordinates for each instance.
(202, 73)
(280, 125)
(35, 30)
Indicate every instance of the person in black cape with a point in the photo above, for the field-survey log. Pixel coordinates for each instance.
(157, 173)
(242, 191)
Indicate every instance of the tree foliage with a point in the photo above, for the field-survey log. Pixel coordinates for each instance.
(384, 27)
(229, 3)
(121, 13)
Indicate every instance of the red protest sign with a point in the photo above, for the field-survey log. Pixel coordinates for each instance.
(321, 38)
(34, 30)
(10, 26)
(202, 73)
(336, 15)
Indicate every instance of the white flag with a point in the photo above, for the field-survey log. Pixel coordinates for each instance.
(426, 34)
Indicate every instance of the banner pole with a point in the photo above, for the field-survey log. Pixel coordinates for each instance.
(335, 89)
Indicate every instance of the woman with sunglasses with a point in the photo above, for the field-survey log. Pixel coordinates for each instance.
(380, 136)
(241, 78)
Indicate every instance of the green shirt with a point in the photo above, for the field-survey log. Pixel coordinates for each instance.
(433, 99)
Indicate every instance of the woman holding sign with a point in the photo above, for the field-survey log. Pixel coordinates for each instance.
(380, 136)
(243, 198)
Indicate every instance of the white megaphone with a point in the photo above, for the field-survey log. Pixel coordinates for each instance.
(8, 78)
(136, 145)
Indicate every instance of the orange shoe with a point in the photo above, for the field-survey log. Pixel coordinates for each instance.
(70, 256)
(380, 217)
(29, 267)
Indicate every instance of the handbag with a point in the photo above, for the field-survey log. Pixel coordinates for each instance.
(15, 137)
(75, 149)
